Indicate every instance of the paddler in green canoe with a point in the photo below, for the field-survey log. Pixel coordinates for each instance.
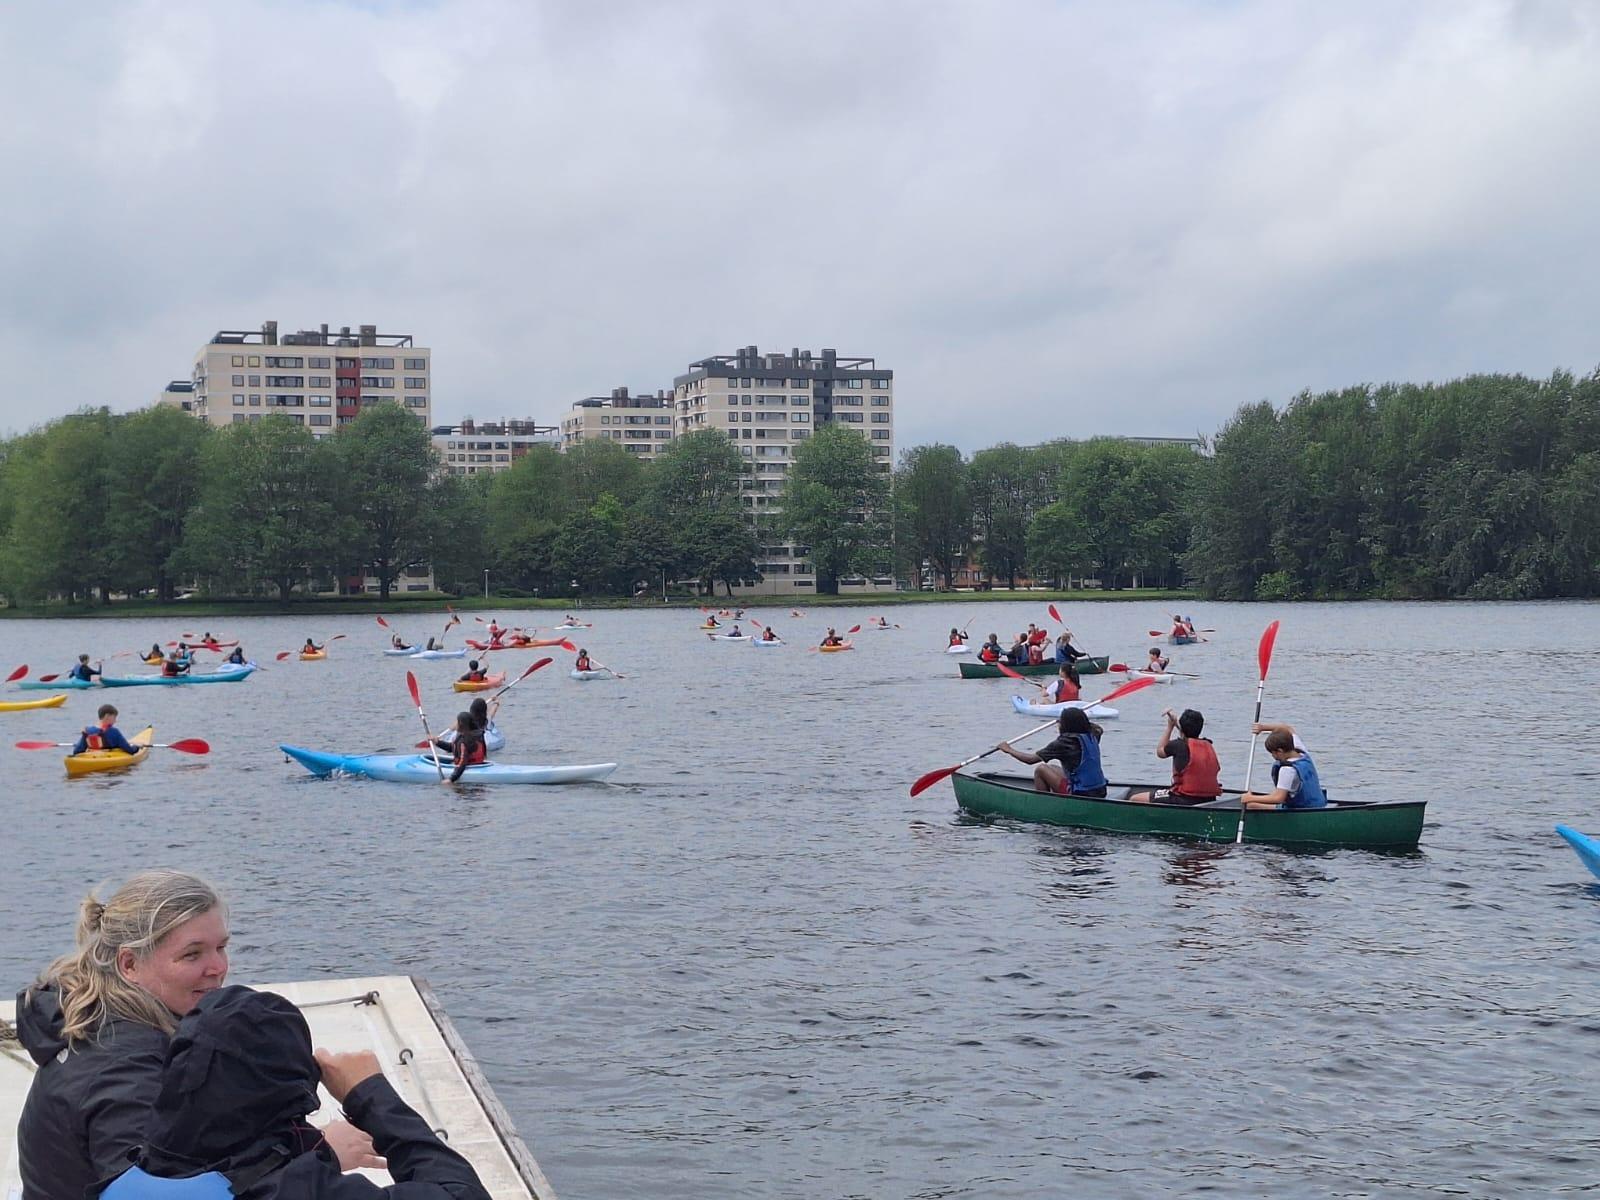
(1295, 783)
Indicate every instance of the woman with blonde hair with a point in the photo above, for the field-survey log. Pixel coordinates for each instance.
(98, 1020)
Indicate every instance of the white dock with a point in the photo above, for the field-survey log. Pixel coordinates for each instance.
(396, 1017)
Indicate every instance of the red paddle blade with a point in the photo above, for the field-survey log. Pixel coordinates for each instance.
(190, 746)
(284, 655)
(1054, 615)
(1264, 651)
(37, 745)
(1005, 670)
(17, 674)
(172, 643)
(1117, 667)
(1133, 685)
(543, 662)
(570, 647)
(931, 778)
(854, 629)
(382, 622)
(48, 678)
(336, 637)
(416, 692)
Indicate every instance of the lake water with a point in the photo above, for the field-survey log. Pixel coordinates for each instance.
(753, 966)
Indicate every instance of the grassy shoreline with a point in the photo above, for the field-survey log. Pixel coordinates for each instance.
(200, 610)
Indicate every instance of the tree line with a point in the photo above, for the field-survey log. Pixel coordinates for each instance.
(1483, 487)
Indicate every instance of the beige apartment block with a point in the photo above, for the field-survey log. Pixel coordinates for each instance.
(641, 425)
(489, 447)
(318, 378)
(769, 403)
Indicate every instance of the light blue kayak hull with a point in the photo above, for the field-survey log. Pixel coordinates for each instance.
(1588, 848)
(420, 768)
(221, 675)
(33, 685)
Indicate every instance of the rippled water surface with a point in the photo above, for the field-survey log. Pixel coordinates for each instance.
(753, 966)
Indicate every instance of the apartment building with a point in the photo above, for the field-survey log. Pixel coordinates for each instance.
(489, 447)
(767, 404)
(641, 425)
(318, 378)
(178, 394)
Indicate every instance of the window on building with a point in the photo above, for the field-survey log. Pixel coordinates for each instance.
(880, 418)
(414, 382)
(378, 364)
(880, 383)
(321, 401)
(800, 418)
(322, 418)
(255, 360)
(238, 418)
(238, 360)
(881, 401)
(238, 381)
(746, 417)
(416, 402)
(320, 381)
(255, 381)
(881, 435)
(319, 363)
(255, 401)
(238, 398)
(416, 364)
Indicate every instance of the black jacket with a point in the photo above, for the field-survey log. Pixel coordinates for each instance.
(86, 1111)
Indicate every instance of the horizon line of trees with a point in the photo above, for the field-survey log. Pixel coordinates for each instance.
(1485, 487)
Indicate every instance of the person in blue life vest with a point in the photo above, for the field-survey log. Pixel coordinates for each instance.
(237, 657)
(1076, 748)
(83, 670)
(105, 735)
(1295, 783)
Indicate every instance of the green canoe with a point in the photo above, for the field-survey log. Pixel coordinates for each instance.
(983, 670)
(1380, 826)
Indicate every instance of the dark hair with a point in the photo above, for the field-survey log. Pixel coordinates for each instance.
(1279, 740)
(466, 719)
(473, 665)
(107, 710)
(479, 709)
(1070, 671)
(1075, 720)
(1190, 722)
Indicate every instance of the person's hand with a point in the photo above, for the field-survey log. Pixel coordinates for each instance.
(1167, 713)
(1258, 727)
(351, 1146)
(341, 1072)
(1004, 747)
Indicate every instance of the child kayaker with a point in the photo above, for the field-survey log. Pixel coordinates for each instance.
(156, 654)
(237, 657)
(1064, 686)
(767, 635)
(1157, 662)
(310, 648)
(1076, 748)
(737, 632)
(396, 643)
(956, 639)
(1294, 775)
(467, 746)
(175, 664)
(990, 651)
(475, 673)
(1196, 776)
(82, 670)
(1066, 652)
(832, 638)
(105, 735)
(583, 662)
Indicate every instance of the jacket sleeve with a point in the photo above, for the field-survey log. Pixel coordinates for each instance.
(423, 1167)
(117, 1104)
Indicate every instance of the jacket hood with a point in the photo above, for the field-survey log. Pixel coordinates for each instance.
(239, 1068)
(39, 1022)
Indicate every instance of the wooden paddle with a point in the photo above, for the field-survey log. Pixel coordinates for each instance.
(416, 698)
(186, 746)
(1264, 660)
(933, 777)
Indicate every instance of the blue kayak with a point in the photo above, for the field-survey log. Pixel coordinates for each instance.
(34, 685)
(232, 674)
(420, 768)
(1588, 848)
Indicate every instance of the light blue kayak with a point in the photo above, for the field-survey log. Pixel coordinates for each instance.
(33, 685)
(420, 768)
(220, 675)
(1588, 848)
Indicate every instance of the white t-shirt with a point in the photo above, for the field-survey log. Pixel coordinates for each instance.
(1287, 777)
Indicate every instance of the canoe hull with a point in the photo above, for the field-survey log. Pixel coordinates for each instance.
(585, 676)
(961, 649)
(1588, 848)
(94, 762)
(419, 768)
(983, 670)
(229, 675)
(25, 705)
(766, 642)
(317, 656)
(1394, 826)
(430, 655)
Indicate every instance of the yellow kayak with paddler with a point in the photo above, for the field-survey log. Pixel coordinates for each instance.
(91, 761)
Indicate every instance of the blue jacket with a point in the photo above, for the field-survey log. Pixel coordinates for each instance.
(1088, 776)
(110, 739)
(82, 671)
(1310, 794)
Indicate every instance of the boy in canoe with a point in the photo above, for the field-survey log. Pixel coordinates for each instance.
(990, 651)
(83, 670)
(1196, 775)
(475, 673)
(237, 657)
(582, 663)
(105, 735)
(1076, 748)
(1294, 776)
(310, 648)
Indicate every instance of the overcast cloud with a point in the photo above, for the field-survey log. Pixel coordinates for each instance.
(1048, 218)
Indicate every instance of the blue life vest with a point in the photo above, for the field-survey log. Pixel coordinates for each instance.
(80, 671)
(1087, 776)
(136, 1184)
(1310, 794)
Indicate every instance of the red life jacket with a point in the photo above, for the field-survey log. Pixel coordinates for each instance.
(472, 750)
(92, 739)
(1035, 655)
(583, 665)
(1203, 776)
(1063, 690)
(987, 654)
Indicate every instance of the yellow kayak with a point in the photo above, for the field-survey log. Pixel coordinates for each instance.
(91, 761)
(482, 685)
(313, 655)
(24, 705)
(155, 661)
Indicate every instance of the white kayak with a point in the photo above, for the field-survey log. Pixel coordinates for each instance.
(439, 654)
(587, 675)
(493, 739)
(1101, 712)
(570, 628)
(1158, 676)
(730, 637)
(962, 648)
(767, 641)
(406, 653)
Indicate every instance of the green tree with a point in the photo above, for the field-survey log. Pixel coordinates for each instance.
(695, 488)
(1002, 504)
(62, 533)
(155, 462)
(835, 503)
(388, 467)
(460, 546)
(933, 510)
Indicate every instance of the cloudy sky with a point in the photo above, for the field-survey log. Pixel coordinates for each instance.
(1048, 218)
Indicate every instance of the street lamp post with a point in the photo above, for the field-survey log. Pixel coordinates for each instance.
(486, 583)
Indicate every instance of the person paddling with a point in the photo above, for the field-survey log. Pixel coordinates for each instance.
(396, 643)
(468, 747)
(832, 638)
(475, 673)
(1066, 652)
(156, 655)
(1196, 775)
(1157, 663)
(1077, 749)
(237, 657)
(737, 632)
(712, 622)
(990, 651)
(956, 639)
(105, 735)
(582, 663)
(82, 670)
(310, 648)
(1064, 687)
(1295, 781)
(176, 664)
(767, 634)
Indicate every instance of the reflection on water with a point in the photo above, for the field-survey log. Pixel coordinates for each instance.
(755, 967)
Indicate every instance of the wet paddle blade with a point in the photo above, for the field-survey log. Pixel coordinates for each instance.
(570, 647)
(1264, 650)
(48, 678)
(17, 674)
(336, 637)
(382, 622)
(284, 655)
(39, 745)
(931, 778)
(1054, 615)
(1127, 689)
(854, 629)
(416, 692)
(1007, 671)
(187, 746)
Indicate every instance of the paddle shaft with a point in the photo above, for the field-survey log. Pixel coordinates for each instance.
(1263, 660)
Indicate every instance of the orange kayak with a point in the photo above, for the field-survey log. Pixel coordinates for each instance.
(494, 681)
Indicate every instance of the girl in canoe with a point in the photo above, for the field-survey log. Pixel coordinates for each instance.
(156, 655)
(768, 634)
(482, 715)
(1076, 748)
(310, 648)
(956, 639)
(467, 747)
(175, 664)
(1294, 776)
(396, 643)
(97, 1021)
(1066, 652)
(1035, 654)
(475, 673)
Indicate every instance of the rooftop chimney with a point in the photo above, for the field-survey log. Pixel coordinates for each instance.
(269, 333)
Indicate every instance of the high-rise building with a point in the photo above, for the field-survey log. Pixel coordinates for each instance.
(767, 404)
(641, 425)
(317, 378)
(488, 447)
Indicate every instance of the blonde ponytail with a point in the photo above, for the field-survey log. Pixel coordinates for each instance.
(136, 917)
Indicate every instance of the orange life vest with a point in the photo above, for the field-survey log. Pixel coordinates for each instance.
(1203, 776)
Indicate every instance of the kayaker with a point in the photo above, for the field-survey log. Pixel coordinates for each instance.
(1196, 775)
(883, 622)
(105, 735)
(483, 714)
(1188, 626)
(310, 648)
(1157, 662)
(83, 670)
(1066, 652)
(1294, 776)
(176, 664)
(712, 622)
(737, 632)
(767, 635)
(396, 643)
(237, 657)
(1017, 656)
(97, 1020)
(832, 638)
(956, 639)
(582, 663)
(156, 654)
(475, 673)
(1064, 687)
(1076, 748)
(467, 746)
(989, 652)
(1179, 629)
(228, 1116)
